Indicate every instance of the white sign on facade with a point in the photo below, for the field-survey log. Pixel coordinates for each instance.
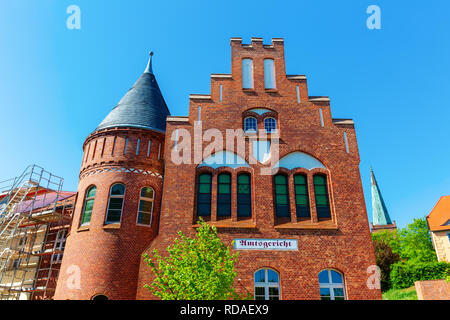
(266, 244)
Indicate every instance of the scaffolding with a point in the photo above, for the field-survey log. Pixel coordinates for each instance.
(34, 216)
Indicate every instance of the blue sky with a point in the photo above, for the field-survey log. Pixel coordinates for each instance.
(56, 84)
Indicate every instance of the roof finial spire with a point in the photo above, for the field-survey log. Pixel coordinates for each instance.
(149, 65)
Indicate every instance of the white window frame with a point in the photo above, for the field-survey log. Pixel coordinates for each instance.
(152, 200)
(109, 201)
(247, 74)
(84, 205)
(276, 125)
(246, 130)
(266, 285)
(60, 242)
(269, 74)
(332, 285)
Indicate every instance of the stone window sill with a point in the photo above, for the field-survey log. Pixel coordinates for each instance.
(227, 223)
(83, 228)
(307, 225)
(112, 226)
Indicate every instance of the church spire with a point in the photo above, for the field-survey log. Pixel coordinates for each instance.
(149, 68)
(379, 211)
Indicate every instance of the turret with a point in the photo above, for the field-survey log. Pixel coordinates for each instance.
(119, 197)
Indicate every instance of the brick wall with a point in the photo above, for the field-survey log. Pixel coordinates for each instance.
(107, 255)
(342, 243)
(433, 290)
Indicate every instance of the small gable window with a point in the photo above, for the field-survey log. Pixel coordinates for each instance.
(250, 125)
(270, 125)
(247, 74)
(269, 74)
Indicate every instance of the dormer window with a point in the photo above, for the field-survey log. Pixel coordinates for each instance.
(270, 125)
(250, 125)
(269, 74)
(247, 74)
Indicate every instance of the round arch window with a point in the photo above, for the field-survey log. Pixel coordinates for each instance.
(331, 285)
(267, 285)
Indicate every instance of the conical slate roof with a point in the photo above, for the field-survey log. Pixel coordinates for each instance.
(142, 107)
(379, 210)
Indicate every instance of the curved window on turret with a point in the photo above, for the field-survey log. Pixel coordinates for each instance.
(88, 206)
(247, 74)
(301, 196)
(321, 194)
(270, 125)
(244, 195)
(146, 206)
(250, 124)
(282, 208)
(115, 204)
(204, 195)
(224, 195)
(269, 74)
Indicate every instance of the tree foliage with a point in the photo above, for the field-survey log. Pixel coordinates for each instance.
(198, 268)
(408, 246)
(415, 243)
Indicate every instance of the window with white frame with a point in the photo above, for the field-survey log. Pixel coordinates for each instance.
(115, 203)
(146, 206)
(60, 244)
(250, 124)
(331, 285)
(267, 285)
(247, 74)
(270, 125)
(269, 74)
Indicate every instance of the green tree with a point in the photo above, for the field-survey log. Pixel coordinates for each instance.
(415, 243)
(385, 258)
(198, 268)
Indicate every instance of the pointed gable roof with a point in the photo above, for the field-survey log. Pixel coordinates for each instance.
(143, 106)
(439, 217)
(379, 210)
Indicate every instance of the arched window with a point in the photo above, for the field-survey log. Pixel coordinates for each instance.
(301, 196)
(267, 285)
(322, 200)
(250, 125)
(270, 125)
(115, 204)
(204, 195)
(224, 195)
(100, 297)
(282, 207)
(88, 206)
(331, 285)
(269, 74)
(146, 206)
(247, 74)
(244, 195)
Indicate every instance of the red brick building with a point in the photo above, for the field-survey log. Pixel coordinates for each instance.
(302, 232)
